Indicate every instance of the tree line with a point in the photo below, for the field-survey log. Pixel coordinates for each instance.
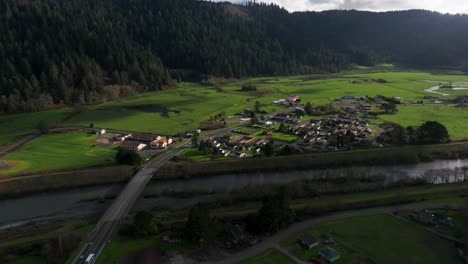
(55, 53)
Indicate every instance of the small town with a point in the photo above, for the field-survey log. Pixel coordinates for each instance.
(233, 132)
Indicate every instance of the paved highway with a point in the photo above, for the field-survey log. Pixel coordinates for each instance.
(109, 223)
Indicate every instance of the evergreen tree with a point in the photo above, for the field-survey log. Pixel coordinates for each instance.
(199, 227)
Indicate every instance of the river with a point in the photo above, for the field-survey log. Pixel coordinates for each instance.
(93, 200)
(456, 87)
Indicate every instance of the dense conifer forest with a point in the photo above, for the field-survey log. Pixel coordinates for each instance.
(55, 52)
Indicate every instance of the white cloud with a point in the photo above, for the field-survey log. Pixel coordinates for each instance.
(444, 6)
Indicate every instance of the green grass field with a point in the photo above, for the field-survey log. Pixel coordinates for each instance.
(165, 112)
(12, 126)
(447, 230)
(194, 154)
(455, 119)
(174, 111)
(383, 239)
(59, 151)
(284, 137)
(269, 256)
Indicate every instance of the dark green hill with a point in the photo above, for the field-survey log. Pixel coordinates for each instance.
(68, 52)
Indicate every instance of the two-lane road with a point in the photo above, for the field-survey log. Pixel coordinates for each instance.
(109, 223)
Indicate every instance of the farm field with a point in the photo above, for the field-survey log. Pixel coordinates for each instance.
(269, 256)
(166, 112)
(58, 151)
(455, 119)
(381, 239)
(12, 126)
(173, 111)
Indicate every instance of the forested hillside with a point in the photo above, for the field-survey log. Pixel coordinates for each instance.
(55, 52)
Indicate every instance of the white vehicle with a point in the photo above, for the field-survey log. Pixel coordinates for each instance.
(89, 259)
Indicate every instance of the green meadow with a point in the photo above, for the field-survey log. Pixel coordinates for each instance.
(455, 119)
(380, 239)
(166, 112)
(59, 151)
(13, 126)
(183, 108)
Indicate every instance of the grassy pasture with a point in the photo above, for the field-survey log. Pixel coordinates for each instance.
(174, 111)
(284, 137)
(12, 126)
(269, 256)
(167, 112)
(59, 151)
(382, 239)
(455, 119)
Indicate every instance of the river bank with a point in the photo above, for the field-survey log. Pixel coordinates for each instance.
(402, 155)
(229, 188)
(20, 186)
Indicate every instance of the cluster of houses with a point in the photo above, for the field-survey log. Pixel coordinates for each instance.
(428, 218)
(135, 142)
(462, 101)
(140, 141)
(364, 100)
(325, 255)
(286, 118)
(290, 100)
(328, 131)
(227, 146)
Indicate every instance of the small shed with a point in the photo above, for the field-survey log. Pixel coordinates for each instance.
(329, 254)
(307, 241)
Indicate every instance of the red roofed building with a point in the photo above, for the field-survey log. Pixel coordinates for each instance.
(293, 98)
(161, 143)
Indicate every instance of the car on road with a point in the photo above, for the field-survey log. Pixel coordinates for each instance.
(89, 259)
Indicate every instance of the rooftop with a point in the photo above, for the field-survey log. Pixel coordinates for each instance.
(329, 254)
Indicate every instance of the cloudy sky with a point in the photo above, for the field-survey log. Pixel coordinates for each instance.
(444, 6)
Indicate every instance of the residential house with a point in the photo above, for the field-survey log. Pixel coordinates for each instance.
(123, 137)
(161, 143)
(348, 97)
(462, 101)
(307, 241)
(379, 99)
(246, 141)
(238, 155)
(133, 145)
(424, 217)
(293, 99)
(329, 254)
